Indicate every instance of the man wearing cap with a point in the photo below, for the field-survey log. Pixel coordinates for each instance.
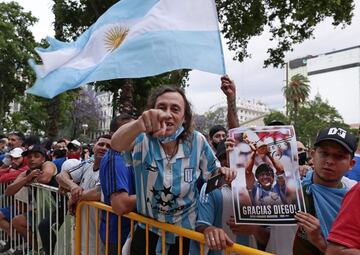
(41, 171)
(74, 149)
(17, 166)
(324, 189)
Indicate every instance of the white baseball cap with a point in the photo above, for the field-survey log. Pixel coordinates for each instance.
(16, 152)
(74, 144)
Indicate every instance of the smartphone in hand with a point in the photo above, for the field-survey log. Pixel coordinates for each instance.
(215, 182)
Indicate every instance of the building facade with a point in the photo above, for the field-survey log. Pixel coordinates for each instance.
(335, 76)
(250, 112)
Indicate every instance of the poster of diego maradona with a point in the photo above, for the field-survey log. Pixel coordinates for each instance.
(267, 188)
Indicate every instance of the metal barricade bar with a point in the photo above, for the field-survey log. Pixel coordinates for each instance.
(181, 232)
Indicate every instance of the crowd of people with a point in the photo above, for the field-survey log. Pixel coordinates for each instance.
(157, 165)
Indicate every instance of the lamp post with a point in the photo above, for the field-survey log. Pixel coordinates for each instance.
(84, 127)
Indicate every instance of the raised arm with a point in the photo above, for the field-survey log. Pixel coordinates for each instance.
(276, 163)
(249, 175)
(151, 121)
(229, 89)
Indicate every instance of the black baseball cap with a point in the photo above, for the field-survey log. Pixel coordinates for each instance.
(34, 148)
(339, 135)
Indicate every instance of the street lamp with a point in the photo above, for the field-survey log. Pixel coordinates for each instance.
(84, 127)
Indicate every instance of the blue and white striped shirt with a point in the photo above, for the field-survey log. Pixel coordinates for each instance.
(166, 189)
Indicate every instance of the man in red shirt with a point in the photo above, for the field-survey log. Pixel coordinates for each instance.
(18, 165)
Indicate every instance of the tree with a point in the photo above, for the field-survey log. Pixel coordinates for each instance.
(31, 118)
(296, 92)
(289, 22)
(16, 46)
(276, 116)
(315, 115)
(85, 110)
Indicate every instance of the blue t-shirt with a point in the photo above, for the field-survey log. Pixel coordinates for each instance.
(58, 163)
(115, 176)
(354, 173)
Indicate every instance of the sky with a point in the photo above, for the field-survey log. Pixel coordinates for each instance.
(251, 79)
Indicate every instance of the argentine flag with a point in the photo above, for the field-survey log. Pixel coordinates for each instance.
(134, 38)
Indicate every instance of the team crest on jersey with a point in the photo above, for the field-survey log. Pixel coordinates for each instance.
(188, 175)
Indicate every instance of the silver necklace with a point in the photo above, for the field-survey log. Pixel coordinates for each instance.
(170, 156)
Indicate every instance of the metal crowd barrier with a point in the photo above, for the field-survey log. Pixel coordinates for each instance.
(181, 232)
(48, 209)
(16, 206)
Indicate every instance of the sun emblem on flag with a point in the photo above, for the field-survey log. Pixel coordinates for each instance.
(114, 37)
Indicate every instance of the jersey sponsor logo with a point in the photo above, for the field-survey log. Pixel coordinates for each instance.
(188, 175)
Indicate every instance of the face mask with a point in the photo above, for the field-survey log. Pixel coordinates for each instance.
(74, 155)
(172, 137)
(215, 145)
(302, 158)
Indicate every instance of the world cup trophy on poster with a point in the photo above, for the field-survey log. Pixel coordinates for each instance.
(267, 188)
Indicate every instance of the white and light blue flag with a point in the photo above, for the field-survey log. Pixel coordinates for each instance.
(133, 39)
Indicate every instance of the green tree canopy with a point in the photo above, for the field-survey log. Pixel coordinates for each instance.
(289, 22)
(276, 116)
(313, 116)
(16, 46)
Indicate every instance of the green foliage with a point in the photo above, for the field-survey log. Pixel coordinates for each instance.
(32, 113)
(313, 116)
(85, 109)
(213, 117)
(289, 22)
(276, 116)
(32, 116)
(296, 92)
(16, 47)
